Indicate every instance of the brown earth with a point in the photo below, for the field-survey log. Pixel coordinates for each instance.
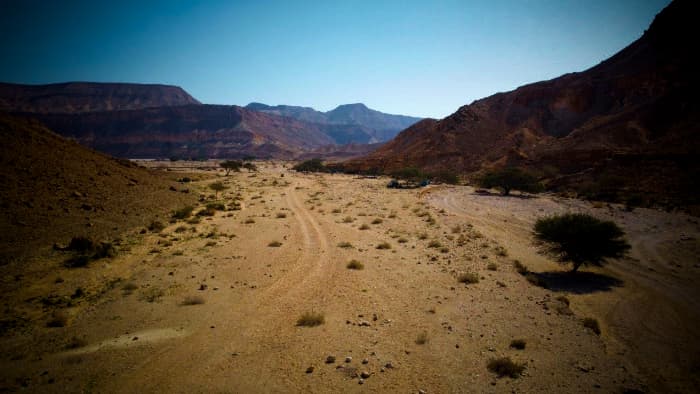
(54, 190)
(134, 335)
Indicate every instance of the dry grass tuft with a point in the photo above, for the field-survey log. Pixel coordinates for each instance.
(355, 265)
(311, 319)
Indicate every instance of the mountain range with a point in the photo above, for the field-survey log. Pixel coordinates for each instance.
(355, 122)
(147, 121)
(628, 123)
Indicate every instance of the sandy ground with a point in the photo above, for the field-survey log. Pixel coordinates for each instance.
(128, 330)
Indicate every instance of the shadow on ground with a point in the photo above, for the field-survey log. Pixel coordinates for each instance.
(522, 196)
(577, 283)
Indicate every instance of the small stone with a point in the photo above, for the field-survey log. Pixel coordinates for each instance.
(491, 349)
(421, 391)
(365, 361)
(389, 365)
(310, 369)
(361, 381)
(330, 359)
(348, 359)
(381, 369)
(364, 323)
(135, 338)
(374, 317)
(202, 287)
(364, 374)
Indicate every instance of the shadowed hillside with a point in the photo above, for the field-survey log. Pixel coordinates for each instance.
(55, 189)
(628, 125)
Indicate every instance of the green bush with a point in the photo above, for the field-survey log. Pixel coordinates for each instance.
(582, 239)
(313, 165)
(231, 165)
(509, 179)
(183, 213)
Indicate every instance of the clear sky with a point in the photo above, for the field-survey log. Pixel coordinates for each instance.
(422, 58)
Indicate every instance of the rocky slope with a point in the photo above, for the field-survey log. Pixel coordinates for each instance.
(628, 123)
(74, 97)
(192, 131)
(348, 123)
(54, 189)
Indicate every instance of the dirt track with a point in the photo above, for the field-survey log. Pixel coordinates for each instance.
(244, 337)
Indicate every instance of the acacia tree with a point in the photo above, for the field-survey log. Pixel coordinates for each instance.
(582, 239)
(231, 165)
(250, 167)
(509, 179)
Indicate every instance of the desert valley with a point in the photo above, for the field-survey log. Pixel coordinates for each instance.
(152, 243)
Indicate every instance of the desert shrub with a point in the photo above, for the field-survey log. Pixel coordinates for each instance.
(129, 288)
(192, 300)
(581, 239)
(313, 165)
(422, 338)
(384, 245)
(364, 227)
(249, 221)
(207, 212)
(355, 265)
(504, 366)
(434, 244)
(468, 278)
(183, 213)
(410, 174)
(217, 187)
(153, 294)
(492, 267)
(310, 319)
(275, 244)
(81, 244)
(181, 229)
(216, 206)
(592, 324)
(518, 344)
(444, 249)
(449, 177)
(377, 221)
(336, 210)
(422, 236)
(520, 268)
(344, 245)
(564, 300)
(251, 167)
(348, 219)
(501, 251)
(509, 179)
(156, 226)
(281, 215)
(402, 240)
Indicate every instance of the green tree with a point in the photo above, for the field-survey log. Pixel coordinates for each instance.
(509, 179)
(217, 187)
(582, 239)
(231, 165)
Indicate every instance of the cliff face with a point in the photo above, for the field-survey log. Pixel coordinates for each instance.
(192, 131)
(629, 117)
(75, 97)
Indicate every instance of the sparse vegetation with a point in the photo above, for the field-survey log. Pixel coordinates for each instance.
(344, 245)
(311, 319)
(355, 265)
(520, 268)
(364, 226)
(313, 165)
(217, 187)
(377, 221)
(504, 366)
(275, 244)
(183, 213)
(422, 338)
(281, 215)
(156, 226)
(592, 324)
(518, 344)
(434, 244)
(492, 267)
(384, 245)
(581, 239)
(509, 179)
(57, 319)
(192, 300)
(468, 278)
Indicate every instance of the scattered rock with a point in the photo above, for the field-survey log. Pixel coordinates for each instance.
(364, 374)
(330, 359)
(365, 361)
(364, 323)
(202, 287)
(310, 369)
(361, 381)
(389, 365)
(348, 359)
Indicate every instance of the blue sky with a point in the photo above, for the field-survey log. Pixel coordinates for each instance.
(422, 58)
